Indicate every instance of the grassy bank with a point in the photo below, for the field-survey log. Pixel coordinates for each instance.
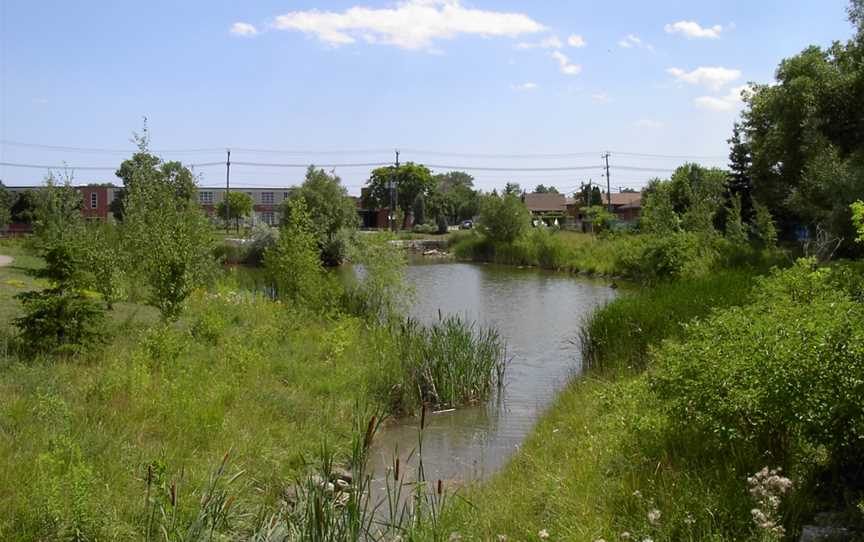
(694, 387)
(642, 257)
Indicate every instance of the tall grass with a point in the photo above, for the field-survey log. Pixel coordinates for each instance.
(446, 364)
(618, 335)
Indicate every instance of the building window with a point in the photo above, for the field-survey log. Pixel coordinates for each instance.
(267, 198)
(205, 198)
(284, 195)
(267, 218)
(94, 200)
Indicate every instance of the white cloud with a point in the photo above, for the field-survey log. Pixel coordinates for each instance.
(601, 97)
(411, 24)
(693, 30)
(243, 29)
(524, 87)
(576, 40)
(632, 40)
(567, 68)
(648, 124)
(729, 102)
(713, 77)
(552, 42)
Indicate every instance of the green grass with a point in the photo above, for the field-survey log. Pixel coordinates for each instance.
(237, 372)
(602, 457)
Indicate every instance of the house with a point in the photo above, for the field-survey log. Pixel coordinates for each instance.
(551, 208)
(627, 206)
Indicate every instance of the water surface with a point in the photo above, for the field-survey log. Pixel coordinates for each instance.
(539, 314)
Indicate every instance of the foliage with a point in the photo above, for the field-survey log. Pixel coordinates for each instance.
(775, 377)
(503, 218)
(294, 262)
(763, 229)
(857, 208)
(239, 206)
(57, 215)
(419, 209)
(658, 214)
(453, 197)
(735, 230)
(61, 318)
(331, 209)
(6, 202)
(512, 189)
(103, 258)
(543, 189)
(261, 239)
(380, 292)
(410, 181)
(446, 364)
(600, 217)
(23, 208)
(168, 240)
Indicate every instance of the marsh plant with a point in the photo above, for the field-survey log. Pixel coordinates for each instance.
(449, 363)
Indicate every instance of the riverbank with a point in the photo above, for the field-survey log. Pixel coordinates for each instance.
(663, 437)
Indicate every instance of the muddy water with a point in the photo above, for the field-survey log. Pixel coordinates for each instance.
(539, 314)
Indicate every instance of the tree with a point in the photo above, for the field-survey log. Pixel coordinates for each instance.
(503, 218)
(144, 167)
(419, 209)
(658, 214)
(739, 182)
(57, 215)
(23, 208)
(735, 229)
(239, 206)
(61, 318)
(512, 189)
(168, 241)
(6, 201)
(542, 189)
(590, 195)
(696, 194)
(102, 256)
(410, 180)
(764, 230)
(294, 263)
(333, 212)
(453, 196)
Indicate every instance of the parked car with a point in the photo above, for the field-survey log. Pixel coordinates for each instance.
(466, 225)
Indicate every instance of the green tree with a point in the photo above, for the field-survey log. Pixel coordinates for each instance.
(739, 183)
(294, 263)
(658, 214)
(333, 212)
(6, 201)
(239, 206)
(453, 196)
(419, 209)
(23, 208)
(144, 167)
(735, 229)
(764, 230)
(168, 240)
(512, 189)
(57, 217)
(410, 180)
(503, 218)
(61, 318)
(590, 195)
(543, 189)
(102, 257)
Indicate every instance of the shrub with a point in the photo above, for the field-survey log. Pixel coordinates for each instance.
(261, 238)
(673, 257)
(425, 228)
(550, 251)
(779, 377)
(503, 218)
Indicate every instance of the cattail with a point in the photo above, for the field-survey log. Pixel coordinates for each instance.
(149, 474)
(370, 432)
(173, 494)
(396, 471)
(228, 503)
(423, 417)
(440, 487)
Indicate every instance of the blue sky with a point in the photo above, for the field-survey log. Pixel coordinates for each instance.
(476, 77)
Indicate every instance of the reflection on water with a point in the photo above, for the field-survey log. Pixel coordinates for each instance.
(539, 314)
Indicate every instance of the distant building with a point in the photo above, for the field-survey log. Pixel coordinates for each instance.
(548, 207)
(626, 206)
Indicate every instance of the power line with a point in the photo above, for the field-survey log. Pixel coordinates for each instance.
(65, 148)
(500, 155)
(91, 168)
(306, 165)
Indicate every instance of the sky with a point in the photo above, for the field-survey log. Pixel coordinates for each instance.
(535, 92)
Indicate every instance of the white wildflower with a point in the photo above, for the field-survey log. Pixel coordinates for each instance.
(543, 534)
(653, 516)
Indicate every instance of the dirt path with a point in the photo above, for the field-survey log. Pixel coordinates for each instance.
(5, 260)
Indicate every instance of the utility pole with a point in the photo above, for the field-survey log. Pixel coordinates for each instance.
(608, 183)
(393, 194)
(227, 190)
